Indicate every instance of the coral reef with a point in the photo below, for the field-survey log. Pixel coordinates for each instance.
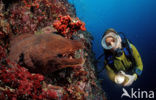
(67, 26)
(18, 83)
(45, 53)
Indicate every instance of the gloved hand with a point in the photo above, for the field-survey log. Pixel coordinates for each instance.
(131, 79)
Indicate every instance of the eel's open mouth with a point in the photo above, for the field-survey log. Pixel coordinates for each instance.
(72, 54)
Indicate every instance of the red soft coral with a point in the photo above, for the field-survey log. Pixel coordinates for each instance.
(18, 83)
(68, 26)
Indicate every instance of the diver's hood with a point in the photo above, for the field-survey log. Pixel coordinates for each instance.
(116, 37)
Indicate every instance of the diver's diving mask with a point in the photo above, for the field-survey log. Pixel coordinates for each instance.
(116, 43)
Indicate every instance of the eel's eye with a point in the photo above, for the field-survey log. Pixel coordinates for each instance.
(59, 55)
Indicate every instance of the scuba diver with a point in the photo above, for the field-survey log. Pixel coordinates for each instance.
(122, 60)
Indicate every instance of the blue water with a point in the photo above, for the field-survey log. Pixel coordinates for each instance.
(137, 19)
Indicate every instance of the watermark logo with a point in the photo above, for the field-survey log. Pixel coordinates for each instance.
(125, 93)
(137, 94)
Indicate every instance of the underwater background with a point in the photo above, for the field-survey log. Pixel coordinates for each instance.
(137, 19)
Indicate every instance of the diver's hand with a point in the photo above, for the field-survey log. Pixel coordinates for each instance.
(122, 72)
(131, 79)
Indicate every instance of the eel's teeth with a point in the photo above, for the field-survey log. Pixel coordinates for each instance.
(70, 57)
(64, 55)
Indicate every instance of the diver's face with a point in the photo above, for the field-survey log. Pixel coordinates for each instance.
(110, 41)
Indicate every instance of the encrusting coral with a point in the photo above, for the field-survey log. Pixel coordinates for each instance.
(45, 52)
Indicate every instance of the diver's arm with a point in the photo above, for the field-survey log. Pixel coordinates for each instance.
(110, 72)
(138, 61)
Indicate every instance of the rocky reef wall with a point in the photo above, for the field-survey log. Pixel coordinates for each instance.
(45, 52)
